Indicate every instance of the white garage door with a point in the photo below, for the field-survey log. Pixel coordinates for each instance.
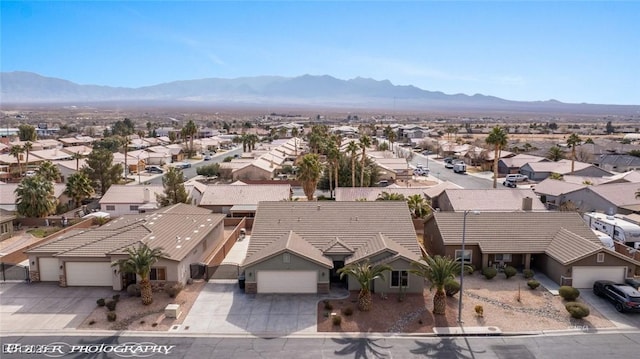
(49, 269)
(287, 282)
(89, 274)
(583, 277)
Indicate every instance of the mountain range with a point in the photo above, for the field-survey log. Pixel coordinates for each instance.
(303, 91)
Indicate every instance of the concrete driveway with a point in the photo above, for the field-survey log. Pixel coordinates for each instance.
(46, 306)
(620, 320)
(222, 308)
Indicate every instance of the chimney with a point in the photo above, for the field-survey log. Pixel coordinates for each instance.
(527, 204)
(147, 195)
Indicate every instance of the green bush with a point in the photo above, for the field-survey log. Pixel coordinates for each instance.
(569, 293)
(111, 316)
(348, 311)
(509, 272)
(451, 287)
(577, 310)
(173, 289)
(336, 319)
(469, 269)
(111, 305)
(134, 290)
(489, 272)
(116, 297)
(100, 302)
(328, 305)
(533, 284)
(528, 273)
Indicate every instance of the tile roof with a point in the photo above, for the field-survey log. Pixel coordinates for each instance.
(562, 235)
(620, 194)
(177, 229)
(233, 194)
(436, 190)
(491, 199)
(521, 160)
(562, 166)
(358, 227)
(372, 193)
(130, 194)
(554, 187)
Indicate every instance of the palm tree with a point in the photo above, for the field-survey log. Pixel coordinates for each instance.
(498, 139)
(77, 156)
(437, 270)
(572, 142)
(556, 176)
(79, 187)
(352, 148)
(140, 261)
(16, 151)
(417, 205)
(364, 273)
(49, 171)
(386, 196)
(252, 139)
(555, 154)
(35, 197)
(309, 170)
(190, 130)
(365, 141)
(27, 148)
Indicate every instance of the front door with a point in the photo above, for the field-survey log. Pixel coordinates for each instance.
(335, 276)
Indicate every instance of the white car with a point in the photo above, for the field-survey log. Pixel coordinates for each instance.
(516, 177)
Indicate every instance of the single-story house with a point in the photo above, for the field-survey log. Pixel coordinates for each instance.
(557, 244)
(537, 171)
(298, 247)
(618, 163)
(242, 201)
(552, 192)
(123, 199)
(372, 193)
(8, 195)
(517, 199)
(608, 198)
(186, 234)
(513, 164)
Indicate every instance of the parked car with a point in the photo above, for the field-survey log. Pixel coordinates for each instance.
(30, 173)
(426, 152)
(623, 297)
(207, 157)
(154, 169)
(421, 171)
(516, 177)
(510, 184)
(448, 162)
(183, 165)
(383, 183)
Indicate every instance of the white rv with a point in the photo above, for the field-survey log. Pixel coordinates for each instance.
(605, 239)
(617, 228)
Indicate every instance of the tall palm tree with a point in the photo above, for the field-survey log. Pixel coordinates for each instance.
(498, 139)
(27, 149)
(49, 171)
(140, 261)
(79, 187)
(333, 157)
(16, 151)
(555, 153)
(418, 206)
(35, 197)
(437, 270)
(309, 170)
(572, 142)
(365, 142)
(190, 130)
(352, 148)
(77, 156)
(364, 273)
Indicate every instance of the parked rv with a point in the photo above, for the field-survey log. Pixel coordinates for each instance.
(617, 228)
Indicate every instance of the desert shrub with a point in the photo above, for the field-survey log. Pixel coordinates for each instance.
(336, 320)
(533, 284)
(111, 316)
(509, 271)
(528, 273)
(489, 272)
(328, 305)
(451, 287)
(173, 289)
(347, 311)
(134, 290)
(100, 302)
(92, 322)
(569, 293)
(469, 269)
(577, 310)
(479, 310)
(111, 305)
(116, 297)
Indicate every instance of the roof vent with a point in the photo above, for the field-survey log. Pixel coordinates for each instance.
(318, 207)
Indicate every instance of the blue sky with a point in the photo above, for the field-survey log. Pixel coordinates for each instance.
(569, 51)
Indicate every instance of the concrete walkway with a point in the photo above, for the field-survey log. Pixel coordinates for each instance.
(551, 286)
(222, 308)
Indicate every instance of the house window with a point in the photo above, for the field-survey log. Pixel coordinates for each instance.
(158, 273)
(133, 207)
(467, 255)
(502, 257)
(600, 258)
(397, 276)
(286, 258)
(111, 208)
(4, 228)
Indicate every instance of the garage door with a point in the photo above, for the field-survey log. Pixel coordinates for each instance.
(583, 277)
(287, 282)
(89, 274)
(49, 269)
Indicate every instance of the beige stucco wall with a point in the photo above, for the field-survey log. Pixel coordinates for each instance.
(252, 173)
